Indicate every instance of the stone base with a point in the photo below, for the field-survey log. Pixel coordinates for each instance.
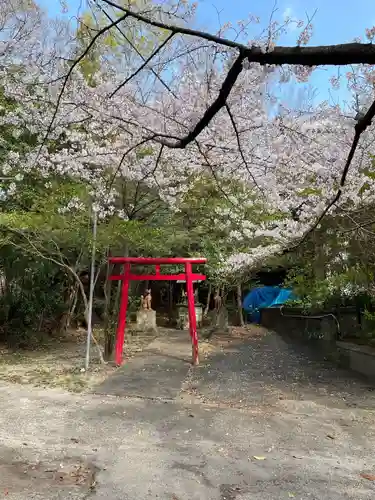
(219, 321)
(183, 316)
(359, 358)
(146, 320)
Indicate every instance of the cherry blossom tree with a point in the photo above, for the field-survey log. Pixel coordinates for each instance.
(224, 127)
(207, 110)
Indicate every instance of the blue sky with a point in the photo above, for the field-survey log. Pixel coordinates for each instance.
(335, 21)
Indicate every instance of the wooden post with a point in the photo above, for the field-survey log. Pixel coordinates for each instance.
(128, 276)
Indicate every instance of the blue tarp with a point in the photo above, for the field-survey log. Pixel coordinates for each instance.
(266, 296)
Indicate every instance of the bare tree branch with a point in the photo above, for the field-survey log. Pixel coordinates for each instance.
(321, 55)
(34, 250)
(158, 49)
(358, 227)
(133, 47)
(240, 147)
(208, 164)
(129, 150)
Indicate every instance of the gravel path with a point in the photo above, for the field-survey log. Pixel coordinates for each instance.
(226, 436)
(265, 369)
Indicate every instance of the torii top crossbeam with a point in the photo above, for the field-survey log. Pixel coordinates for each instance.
(128, 276)
(157, 260)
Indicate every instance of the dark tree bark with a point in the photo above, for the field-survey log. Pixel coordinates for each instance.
(239, 304)
(206, 309)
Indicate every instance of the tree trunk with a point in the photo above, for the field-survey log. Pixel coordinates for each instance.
(206, 309)
(170, 298)
(239, 304)
(73, 308)
(319, 265)
(109, 327)
(86, 314)
(98, 348)
(116, 306)
(67, 317)
(223, 296)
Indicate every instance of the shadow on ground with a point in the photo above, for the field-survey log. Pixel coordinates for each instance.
(157, 372)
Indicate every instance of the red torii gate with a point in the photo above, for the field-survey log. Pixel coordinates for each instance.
(128, 276)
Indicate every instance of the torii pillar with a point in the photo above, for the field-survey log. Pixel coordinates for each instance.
(189, 276)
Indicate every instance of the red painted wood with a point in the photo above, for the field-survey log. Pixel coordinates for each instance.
(120, 335)
(127, 276)
(192, 316)
(157, 260)
(157, 277)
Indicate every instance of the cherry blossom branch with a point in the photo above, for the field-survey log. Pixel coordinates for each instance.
(148, 174)
(128, 151)
(214, 175)
(134, 47)
(142, 66)
(360, 127)
(157, 164)
(229, 82)
(230, 114)
(307, 56)
(70, 71)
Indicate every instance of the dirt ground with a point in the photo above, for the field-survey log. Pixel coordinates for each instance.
(258, 419)
(60, 362)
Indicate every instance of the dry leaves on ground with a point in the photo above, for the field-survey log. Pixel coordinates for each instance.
(370, 477)
(247, 331)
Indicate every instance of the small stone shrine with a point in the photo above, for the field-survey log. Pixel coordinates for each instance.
(146, 316)
(183, 312)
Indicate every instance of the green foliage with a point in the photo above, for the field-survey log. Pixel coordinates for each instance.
(312, 293)
(90, 64)
(334, 267)
(369, 330)
(33, 299)
(310, 191)
(123, 46)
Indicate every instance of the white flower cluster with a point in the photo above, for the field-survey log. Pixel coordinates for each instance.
(289, 165)
(74, 205)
